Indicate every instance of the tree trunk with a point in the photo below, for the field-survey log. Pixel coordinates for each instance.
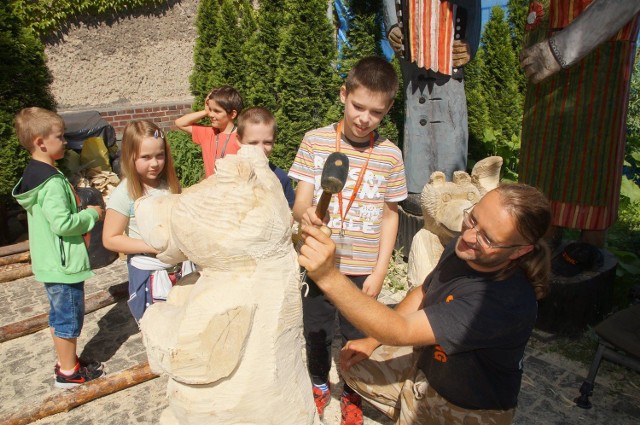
(67, 400)
(15, 258)
(15, 273)
(14, 249)
(92, 303)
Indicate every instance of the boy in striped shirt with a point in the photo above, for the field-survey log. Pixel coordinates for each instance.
(363, 218)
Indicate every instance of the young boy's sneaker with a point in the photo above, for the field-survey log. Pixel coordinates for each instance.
(80, 376)
(351, 409)
(88, 363)
(321, 399)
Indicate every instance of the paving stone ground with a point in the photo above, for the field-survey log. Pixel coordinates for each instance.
(549, 385)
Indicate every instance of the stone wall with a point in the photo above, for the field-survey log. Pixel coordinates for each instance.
(132, 66)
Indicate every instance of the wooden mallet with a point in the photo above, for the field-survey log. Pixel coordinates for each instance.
(333, 179)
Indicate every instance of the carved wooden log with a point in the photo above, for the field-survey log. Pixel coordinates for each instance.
(442, 204)
(92, 303)
(15, 258)
(237, 331)
(17, 272)
(159, 231)
(67, 400)
(14, 249)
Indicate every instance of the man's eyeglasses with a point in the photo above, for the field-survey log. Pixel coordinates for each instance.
(482, 239)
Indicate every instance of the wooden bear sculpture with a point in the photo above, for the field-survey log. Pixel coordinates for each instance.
(442, 205)
(231, 343)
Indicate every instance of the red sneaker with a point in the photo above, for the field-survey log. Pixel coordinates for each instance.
(321, 398)
(351, 409)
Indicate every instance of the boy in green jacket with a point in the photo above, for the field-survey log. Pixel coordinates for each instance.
(59, 256)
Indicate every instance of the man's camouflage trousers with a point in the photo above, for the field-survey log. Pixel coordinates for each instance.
(391, 381)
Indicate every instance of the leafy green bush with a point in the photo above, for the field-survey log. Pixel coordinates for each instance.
(44, 17)
(632, 148)
(623, 241)
(624, 237)
(396, 278)
(187, 157)
(24, 81)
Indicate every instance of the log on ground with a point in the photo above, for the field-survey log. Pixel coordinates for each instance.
(21, 257)
(92, 303)
(15, 271)
(14, 249)
(67, 400)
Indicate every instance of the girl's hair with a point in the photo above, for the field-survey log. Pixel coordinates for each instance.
(532, 215)
(132, 137)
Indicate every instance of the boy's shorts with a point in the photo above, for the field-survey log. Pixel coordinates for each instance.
(66, 313)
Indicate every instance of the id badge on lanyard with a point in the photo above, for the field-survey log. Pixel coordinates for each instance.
(344, 246)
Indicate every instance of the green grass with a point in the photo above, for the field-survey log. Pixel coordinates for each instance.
(396, 278)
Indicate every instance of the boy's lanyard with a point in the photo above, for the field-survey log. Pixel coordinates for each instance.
(356, 187)
(224, 147)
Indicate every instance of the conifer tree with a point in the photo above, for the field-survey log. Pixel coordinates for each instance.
(517, 16)
(491, 84)
(204, 49)
(305, 79)
(259, 54)
(392, 126)
(247, 27)
(499, 81)
(223, 28)
(477, 108)
(362, 40)
(226, 65)
(364, 37)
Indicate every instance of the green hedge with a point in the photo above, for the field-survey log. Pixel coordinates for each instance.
(187, 157)
(24, 81)
(44, 17)
(283, 55)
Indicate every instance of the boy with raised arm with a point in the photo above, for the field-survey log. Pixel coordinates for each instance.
(222, 107)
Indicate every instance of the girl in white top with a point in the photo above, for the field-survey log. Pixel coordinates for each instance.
(147, 168)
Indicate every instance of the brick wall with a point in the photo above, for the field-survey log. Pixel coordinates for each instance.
(163, 114)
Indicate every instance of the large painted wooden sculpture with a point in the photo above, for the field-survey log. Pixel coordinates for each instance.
(578, 57)
(443, 203)
(433, 41)
(231, 343)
